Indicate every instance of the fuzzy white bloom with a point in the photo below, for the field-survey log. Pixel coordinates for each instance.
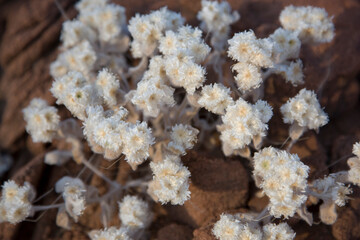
(248, 76)
(241, 124)
(312, 24)
(170, 181)
(138, 140)
(108, 20)
(286, 45)
(185, 73)
(108, 86)
(183, 51)
(264, 109)
(134, 212)
(354, 164)
(42, 120)
(283, 179)
(215, 98)
(356, 149)
(148, 29)
(331, 190)
(108, 133)
(292, 73)
(216, 18)
(182, 137)
(245, 47)
(282, 231)
(230, 228)
(152, 95)
(73, 192)
(80, 58)
(305, 110)
(73, 32)
(75, 93)
(111, 233)
(84, 5)
(15, 202)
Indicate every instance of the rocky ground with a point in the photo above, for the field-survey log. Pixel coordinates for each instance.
(29, 37)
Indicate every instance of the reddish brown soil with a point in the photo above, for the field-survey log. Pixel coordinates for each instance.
(29, 37)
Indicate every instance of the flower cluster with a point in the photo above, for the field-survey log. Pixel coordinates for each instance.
(108, 133)
(215, 98)
(96, 37)
(153, 92)
(182, 137)
(230, 227)
(312, 24)
(183, 51)
(242, 123)
(252, 54)
(216, 18)
(42, 120)
(15, 203)
(170, 182)
(304, 109)
(73, 191)
(111, 233)
(282, 176)
(354, 164)
(148, 29)
(134, 213)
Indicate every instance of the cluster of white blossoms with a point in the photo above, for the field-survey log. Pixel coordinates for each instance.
(95, 37)
(111, 233)
(304, 109)
(134, 213)
(109, 134)
(147, 30)
(332, 190)
(183, 51)
(282, 176)
(215, 98)
(354, 164)
(15, 202)
(74, 92)
(153, 92)
(170, 181)
(73, 192)
(229, 227)
(216, 18)
(252, 54)
(42, 120)
(242, 124)
(312, 24)
(148, 116)
(182, 137)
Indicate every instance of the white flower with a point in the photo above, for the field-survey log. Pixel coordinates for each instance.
(111, 233)
(230, 228)
(286, 45)
(215, 98)
(73, 191)
(283, 179)
(245, 47)
(305, 110)
(248, 76)
(108, 86)
(278, 232)
(216, 18)
(312, 24)
(134, 212)
(42, 121)
(170, 182)
(15, 202)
